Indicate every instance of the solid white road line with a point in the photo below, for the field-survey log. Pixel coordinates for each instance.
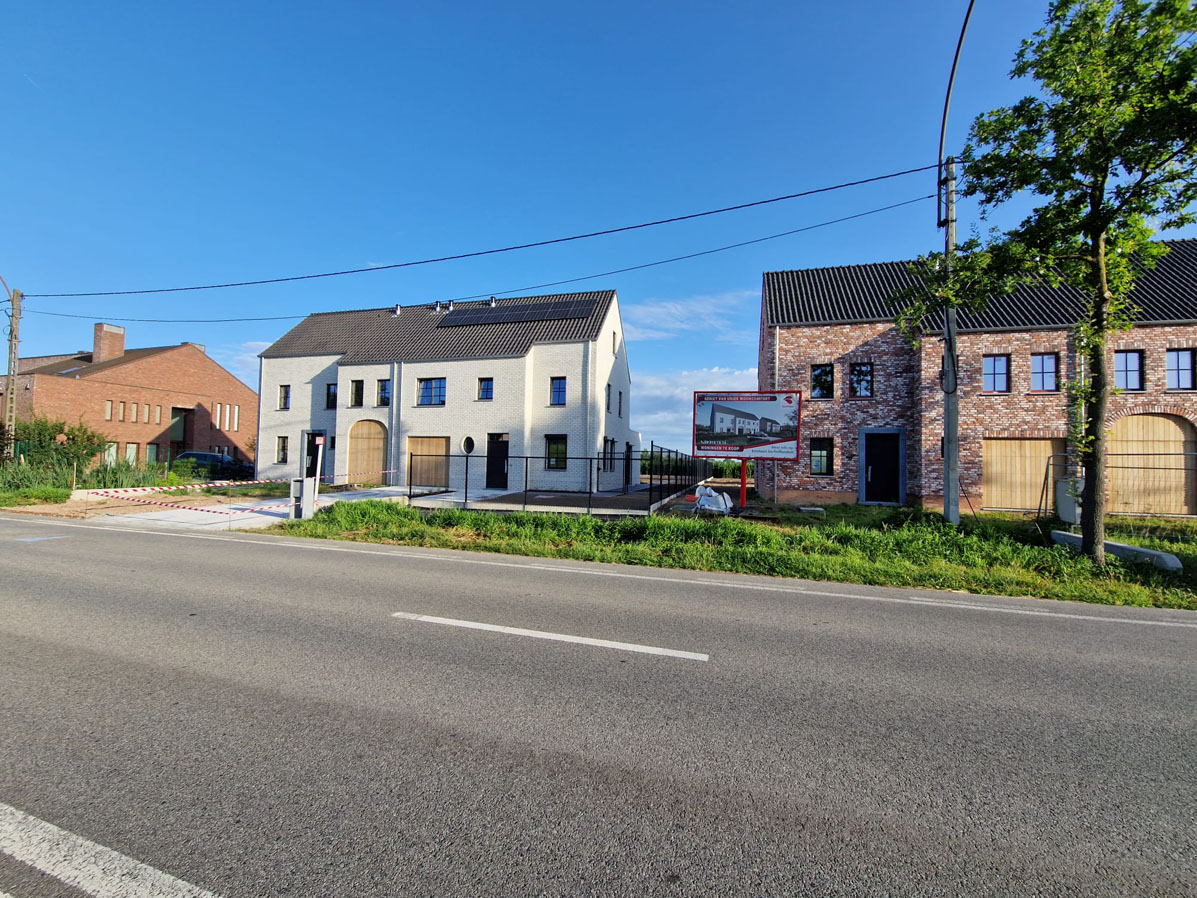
(557, 637)
(982, 604)
(78, 862)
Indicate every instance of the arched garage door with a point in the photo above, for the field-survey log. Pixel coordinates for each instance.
(1153, 465)
(367, 452)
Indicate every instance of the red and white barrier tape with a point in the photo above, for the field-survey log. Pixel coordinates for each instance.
(189, 486)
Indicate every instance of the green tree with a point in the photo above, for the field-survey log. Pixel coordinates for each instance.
(1106, 149)
(54, 442)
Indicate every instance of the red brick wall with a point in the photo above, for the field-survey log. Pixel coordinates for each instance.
(895, 403)
(909, 395)
(182, 377)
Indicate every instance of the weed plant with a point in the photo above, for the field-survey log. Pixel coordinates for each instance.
(902, 547)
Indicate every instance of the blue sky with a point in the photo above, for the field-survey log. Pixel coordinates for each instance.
(161, 144)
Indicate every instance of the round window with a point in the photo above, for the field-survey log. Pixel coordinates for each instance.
(467, 445)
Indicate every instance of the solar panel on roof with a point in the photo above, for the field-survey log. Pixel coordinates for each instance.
(536, 311)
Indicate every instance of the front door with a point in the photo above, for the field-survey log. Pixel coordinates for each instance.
(496, 461)
(882, 467)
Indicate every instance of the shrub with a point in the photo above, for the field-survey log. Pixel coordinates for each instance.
(54, 443)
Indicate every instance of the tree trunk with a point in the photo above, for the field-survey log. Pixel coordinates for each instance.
(1093, 452)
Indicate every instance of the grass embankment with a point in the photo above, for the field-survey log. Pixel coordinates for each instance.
(898, 547)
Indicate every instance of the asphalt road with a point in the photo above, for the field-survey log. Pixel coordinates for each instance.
(245, 714)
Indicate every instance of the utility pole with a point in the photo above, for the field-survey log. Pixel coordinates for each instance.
(947, 221)
(951, 399)
(10, 382)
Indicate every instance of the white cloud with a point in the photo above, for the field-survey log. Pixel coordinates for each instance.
(242, 360)
(663, 404)
(719, 316)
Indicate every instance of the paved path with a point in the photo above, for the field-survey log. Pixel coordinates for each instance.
(255, 715)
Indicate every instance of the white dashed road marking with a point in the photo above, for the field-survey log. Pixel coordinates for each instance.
(87, 866)
(557, 637)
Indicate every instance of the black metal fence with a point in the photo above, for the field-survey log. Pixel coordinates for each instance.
(639, 479)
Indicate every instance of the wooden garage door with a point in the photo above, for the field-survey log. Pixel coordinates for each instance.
(429, 460)
(1012, 471)
(1152, 468)
(367, 452)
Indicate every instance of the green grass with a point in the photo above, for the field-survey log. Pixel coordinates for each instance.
(35, 495)
(884, 547)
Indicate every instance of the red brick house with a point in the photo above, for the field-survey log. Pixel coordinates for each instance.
(872, 417)
(151, 403)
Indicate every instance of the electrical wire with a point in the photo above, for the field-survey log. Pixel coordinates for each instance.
(491, 252)
(588, 277)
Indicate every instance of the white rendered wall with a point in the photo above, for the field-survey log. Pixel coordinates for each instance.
(306, 376)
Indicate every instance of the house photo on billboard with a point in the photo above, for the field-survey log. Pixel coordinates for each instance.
(533, 389)
(746, 425)
(872, 417)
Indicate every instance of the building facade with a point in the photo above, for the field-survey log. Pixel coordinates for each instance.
(873, 403)
(531, 389)
(151, 403)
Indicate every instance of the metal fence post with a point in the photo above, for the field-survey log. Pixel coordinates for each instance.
(467, 482)
(409, 457)
(525, 483)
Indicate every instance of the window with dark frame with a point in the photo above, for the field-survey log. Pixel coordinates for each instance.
(995, 374)
(1128, 370)
(822, 381)
(1180, 369)
(555, 451)
(284, 396)
(608, 397)
(384, 392)
(1043, 372)
(822, 456)
(557, 391)
(860, 380)
(357, 393)
(620, 413)
(430, 391)
(280, 451)
(486, 388)
(330, 395)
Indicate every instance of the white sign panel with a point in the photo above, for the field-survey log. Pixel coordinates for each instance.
(758, 424)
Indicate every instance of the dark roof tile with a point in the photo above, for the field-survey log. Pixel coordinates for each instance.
(862, 293)
(379, 335)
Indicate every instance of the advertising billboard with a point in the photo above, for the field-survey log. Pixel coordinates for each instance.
(756, 424)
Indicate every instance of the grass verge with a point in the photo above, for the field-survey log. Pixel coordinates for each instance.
(894, 547)
(34, 495)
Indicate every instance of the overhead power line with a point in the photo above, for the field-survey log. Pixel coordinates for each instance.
(588, 277)
(503, 249)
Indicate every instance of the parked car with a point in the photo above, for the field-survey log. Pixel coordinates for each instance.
(215, 466)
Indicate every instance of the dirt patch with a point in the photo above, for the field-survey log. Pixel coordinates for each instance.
(95, 507)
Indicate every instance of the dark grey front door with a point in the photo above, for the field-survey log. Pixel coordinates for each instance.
(496, 461)
(882, 475)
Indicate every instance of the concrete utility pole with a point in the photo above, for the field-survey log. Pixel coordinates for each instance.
(10, 382)
(947, 221)
(951, 399)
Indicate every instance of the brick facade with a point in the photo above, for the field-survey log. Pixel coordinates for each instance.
(907, 396)
(131, 402)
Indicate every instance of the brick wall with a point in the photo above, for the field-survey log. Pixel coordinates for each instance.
(908, 395)
(896, 378)
(182, 377)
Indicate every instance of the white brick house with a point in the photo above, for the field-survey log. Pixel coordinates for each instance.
(396, 390)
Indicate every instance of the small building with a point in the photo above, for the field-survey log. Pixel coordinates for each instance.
(533, 387)
(151, 403)
(725, 419)
(872, 416)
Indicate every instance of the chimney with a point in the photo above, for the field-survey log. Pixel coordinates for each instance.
(108, 343)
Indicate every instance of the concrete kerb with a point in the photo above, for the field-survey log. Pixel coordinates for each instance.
(1165, 561)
